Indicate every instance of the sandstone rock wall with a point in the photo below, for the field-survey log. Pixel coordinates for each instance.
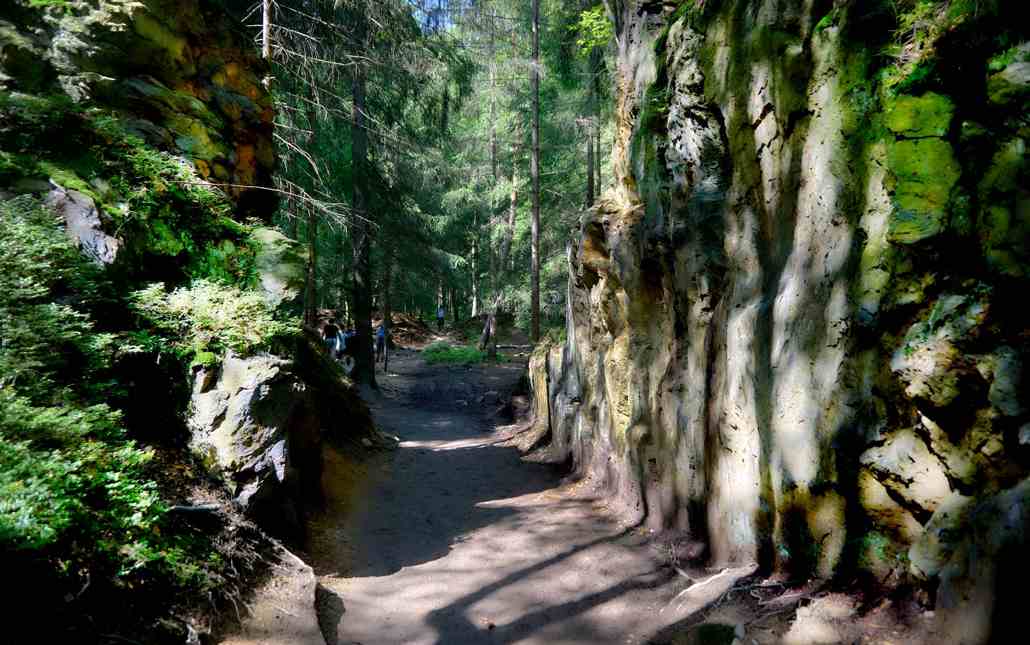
(792, 322)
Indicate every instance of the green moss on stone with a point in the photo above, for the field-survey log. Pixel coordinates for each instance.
(928, 115)
(925, 172)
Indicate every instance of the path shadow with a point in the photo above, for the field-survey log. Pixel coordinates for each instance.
(421, 499)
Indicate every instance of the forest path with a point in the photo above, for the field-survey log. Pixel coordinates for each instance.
(452, 539)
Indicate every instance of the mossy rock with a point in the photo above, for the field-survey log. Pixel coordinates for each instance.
(928, 115)
(1010, 85)
(925, 172)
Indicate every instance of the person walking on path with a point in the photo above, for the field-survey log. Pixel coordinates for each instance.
(381, 341)
(440, 311)
(331, 337)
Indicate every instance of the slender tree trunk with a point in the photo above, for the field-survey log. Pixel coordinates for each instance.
(387, 306)
(361, 232)
(445, 113)
(488, 340)
(534, 171)
(475, 265)
(590, 163)
(310, 295)
(266, 29)
(595, 93)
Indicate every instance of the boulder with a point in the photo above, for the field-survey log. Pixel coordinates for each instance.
(1010, 84)
(925, 172)
(82, 223)
(940, 537)
(1004, 368)
(256, 427)
(886, 513)
(927, 361)
(981, 585)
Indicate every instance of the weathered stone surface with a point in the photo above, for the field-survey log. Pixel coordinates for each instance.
(905, 465)
(1005, 222)
(927, 360)
(884, 511)
(932, 549)
(180, 71)
(1010, 84)
(928, 115)
(925, 171)
(82, 223)
(986, 567)
(256, 427)
(780, 319)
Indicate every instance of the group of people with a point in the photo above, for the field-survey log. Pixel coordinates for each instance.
(336, 340)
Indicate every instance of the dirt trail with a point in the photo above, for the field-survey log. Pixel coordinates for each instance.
(453, 539)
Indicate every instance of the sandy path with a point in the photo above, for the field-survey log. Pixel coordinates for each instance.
(452, 539)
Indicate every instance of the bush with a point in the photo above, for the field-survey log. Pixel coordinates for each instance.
(75, 499)
(203, 321)
(443, 352)
(44, 282)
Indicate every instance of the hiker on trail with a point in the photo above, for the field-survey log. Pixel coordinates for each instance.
(440, 311)
(331, 337)
(381, 341)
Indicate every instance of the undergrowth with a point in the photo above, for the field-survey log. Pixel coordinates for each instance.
(203, 321)
(445, 353)
(77, 509)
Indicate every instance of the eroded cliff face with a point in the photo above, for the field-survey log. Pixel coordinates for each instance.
(794, 327)
(182, 74)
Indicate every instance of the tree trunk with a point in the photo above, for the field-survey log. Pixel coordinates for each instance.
(361, 233)
(387, 307)
(310, 295)
(590, 164)
(445, 114)
(595, 93)
(488, 340)
(475, 266)
(266, 29)
(534, 171)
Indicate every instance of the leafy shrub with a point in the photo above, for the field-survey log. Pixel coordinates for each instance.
(74, 495)
(203, 321)
(42, 275)
(443, 352)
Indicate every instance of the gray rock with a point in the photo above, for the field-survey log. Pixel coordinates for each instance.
(1007, 392)
(82, 223)
(927, 360)
(1010, 84)
(941, 535)
(257, 428)
(905, 465)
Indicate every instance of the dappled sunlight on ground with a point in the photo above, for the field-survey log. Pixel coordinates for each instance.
(456, 540)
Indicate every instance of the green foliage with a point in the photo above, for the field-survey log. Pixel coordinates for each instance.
(42, 332)
(208, 319)
(594, 29)
(443, 352)
(154, 200)
(73, 489)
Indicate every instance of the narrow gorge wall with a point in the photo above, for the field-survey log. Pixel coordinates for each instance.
(794, 325)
